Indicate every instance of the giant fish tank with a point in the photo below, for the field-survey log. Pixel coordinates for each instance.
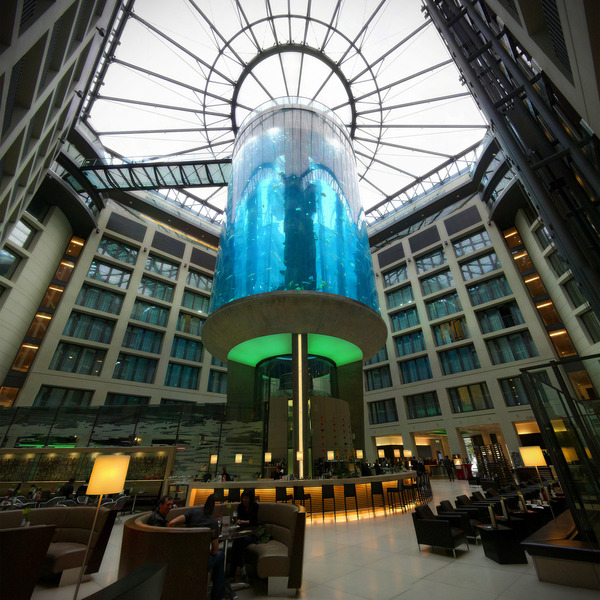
(294, 219)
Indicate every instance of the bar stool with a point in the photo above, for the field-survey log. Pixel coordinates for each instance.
(350, 492)
(327, 493)
(410, 492)
(395, 491)
(300, 496)
(377, 490)
(281, 495)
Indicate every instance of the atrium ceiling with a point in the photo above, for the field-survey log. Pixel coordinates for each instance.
(179, 77)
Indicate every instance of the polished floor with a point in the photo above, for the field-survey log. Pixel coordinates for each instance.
(378, 559)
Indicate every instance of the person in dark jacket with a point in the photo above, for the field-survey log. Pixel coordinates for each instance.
(158, 518)
(67, 489)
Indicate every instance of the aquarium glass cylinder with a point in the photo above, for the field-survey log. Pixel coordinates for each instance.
(294, 219)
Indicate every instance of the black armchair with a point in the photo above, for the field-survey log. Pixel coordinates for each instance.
(477, 510)
(464, 520)
(437, 532)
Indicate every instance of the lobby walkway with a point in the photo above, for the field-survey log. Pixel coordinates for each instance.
(378, 559)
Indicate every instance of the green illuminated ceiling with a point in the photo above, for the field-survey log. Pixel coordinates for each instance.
(253, 351)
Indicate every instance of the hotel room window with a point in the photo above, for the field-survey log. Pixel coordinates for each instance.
(405, 319)
(109, 274)
(430, 261)
(382, 411)
(395, 276)
(443, 306)
(400, 297)
(469, 398)
(419, 406)
(377, 379)
(135, 368)
(458, 360)
(156, 289)
(72, 358)
(161, 266)
(118, 250)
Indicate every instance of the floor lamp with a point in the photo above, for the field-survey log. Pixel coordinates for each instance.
(108, 477)
(533, 457)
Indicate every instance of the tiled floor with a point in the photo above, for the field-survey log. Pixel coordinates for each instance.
(378, 559)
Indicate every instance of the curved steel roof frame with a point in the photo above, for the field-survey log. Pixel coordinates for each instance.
(183, 76)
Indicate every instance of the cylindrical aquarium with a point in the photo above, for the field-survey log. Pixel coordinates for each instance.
(294, 219)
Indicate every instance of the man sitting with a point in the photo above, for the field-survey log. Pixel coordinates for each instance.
(202, 517)
(159, 515)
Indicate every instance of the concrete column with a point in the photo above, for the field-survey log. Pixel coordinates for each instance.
(456, 442)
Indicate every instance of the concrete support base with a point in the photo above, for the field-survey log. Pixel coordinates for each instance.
(277, 586)
(567, 572)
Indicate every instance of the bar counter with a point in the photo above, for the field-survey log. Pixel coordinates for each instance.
(265, 490)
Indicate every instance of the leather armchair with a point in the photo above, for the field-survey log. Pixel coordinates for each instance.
(466, 520)
(438, 533)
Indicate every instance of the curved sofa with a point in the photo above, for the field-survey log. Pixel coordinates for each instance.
(185, 550)
(283, 555)
(72, 526)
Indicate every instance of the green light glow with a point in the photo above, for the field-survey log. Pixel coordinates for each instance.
(253, 351)
(339, 351)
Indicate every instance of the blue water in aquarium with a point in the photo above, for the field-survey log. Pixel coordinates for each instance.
(294, 226)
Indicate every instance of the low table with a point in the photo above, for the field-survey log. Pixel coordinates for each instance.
(501, 544)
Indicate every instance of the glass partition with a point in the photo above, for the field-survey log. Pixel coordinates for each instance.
(568, 414)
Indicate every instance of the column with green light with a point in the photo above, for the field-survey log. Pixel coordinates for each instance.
(294, 255)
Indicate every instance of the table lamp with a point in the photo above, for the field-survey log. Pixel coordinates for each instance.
(108, 477)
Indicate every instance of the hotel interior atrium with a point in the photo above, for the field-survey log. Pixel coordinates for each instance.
(470, 329)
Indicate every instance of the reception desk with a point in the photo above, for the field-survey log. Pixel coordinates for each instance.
(265, 490)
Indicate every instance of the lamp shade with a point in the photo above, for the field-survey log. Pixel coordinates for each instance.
(381, 453)
(359, 454)
(213, 459)
(268, 457)
(396, 452)
(299, 455)
(108, 475)
(532, 456)
(407, 453)
(330, 454)
(238, 458)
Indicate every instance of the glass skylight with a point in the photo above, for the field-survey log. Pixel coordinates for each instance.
(186, 73)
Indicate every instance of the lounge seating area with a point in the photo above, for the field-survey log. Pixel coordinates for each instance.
(279, 560)
(360, 558)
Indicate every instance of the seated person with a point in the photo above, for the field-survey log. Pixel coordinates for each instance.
(202, 517)
(66, 490)
(247, 516)
(82, 489)
(158, 518)
(277, 474)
